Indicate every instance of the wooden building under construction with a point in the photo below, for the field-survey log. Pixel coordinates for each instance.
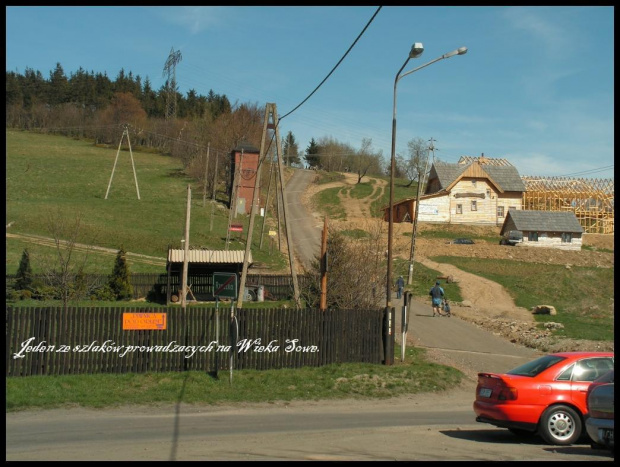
(591, 200)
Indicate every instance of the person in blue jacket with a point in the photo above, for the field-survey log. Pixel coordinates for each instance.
(400, 285)
(436, 294)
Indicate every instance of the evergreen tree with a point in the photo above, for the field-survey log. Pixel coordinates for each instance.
(312, 154)
(120, 278)
(58, 86)
(291, 150)
(24, 273)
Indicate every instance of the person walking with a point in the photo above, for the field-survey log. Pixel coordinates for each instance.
(400, 285)
(436, 294)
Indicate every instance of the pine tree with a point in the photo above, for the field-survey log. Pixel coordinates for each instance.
(24, 273)
(291, 150)
(120, 278)
(312, 157)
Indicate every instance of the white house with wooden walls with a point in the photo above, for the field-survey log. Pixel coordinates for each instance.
(478, 190)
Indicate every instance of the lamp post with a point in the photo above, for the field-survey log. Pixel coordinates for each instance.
(415, 52)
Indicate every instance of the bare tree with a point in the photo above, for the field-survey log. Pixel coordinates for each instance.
(366, 160)
(66, 273)
(355, 269)
(415, 165)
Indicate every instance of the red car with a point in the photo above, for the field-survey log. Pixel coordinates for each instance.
(546, 396)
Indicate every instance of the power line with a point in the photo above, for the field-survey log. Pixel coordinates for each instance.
(336, 66)
(591, 171)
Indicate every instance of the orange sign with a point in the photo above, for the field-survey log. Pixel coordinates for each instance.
(141, 321)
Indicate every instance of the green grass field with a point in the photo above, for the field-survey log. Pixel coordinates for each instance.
(54, 175)
(337, 381)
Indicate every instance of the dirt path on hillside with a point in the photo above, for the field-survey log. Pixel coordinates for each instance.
(50, 242)
(360, 208)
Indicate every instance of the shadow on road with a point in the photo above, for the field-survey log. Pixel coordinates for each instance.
(497, 436)
(501, 436)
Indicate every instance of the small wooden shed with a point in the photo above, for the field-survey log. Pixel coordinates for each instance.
(551, 229)
(202, 263)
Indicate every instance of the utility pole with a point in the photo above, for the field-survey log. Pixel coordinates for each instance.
(270, 109)
(248, 244)
(262, 230)
(239, 177)
(186, 252)
(135, 177)
(324, 266)
(421, 182)
(432, 148)
(213, 195)
(204, 188)
(289, 242)
(278, 211)
(233, 198)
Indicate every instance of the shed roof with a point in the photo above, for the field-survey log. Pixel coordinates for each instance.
(208, 256)
(544, 221)
(246, 147)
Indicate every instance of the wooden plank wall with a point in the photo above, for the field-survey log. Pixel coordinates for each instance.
(92, 340)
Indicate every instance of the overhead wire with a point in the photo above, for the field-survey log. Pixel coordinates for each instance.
(324, 79)
(337, 64)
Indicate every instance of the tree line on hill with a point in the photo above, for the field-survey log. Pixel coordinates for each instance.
(91, 105)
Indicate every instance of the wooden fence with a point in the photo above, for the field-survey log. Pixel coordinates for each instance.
(155, 285)
(54, 341)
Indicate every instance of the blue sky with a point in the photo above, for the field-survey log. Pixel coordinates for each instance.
(535, 87)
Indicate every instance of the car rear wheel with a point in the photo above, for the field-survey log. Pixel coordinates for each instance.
(560, 425)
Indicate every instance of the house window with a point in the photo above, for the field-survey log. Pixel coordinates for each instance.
(500, 211)
(473, 183)
(532, 236)
(567, 237)
(459, 209)
(474, 206)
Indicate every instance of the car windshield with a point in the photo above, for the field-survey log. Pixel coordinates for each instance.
(535, 367)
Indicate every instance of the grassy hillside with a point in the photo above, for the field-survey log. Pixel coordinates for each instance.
(51, 175)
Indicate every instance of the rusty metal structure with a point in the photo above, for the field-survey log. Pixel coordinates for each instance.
(592, 200)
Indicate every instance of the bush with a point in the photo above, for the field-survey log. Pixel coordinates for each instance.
(12, 295)
(45, 292)
(25, 294)
(104, 293)
(120, 279)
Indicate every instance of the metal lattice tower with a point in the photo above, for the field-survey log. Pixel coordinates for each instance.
(171, 82)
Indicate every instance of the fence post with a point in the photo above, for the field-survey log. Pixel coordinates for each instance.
(388, 336)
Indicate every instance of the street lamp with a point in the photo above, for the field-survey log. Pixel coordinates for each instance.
(415, 52)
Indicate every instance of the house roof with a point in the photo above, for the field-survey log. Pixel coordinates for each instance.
(506, 176)
(208, 256)
(544, 221)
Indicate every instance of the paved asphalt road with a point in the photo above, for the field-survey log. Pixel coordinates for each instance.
(305, 228)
